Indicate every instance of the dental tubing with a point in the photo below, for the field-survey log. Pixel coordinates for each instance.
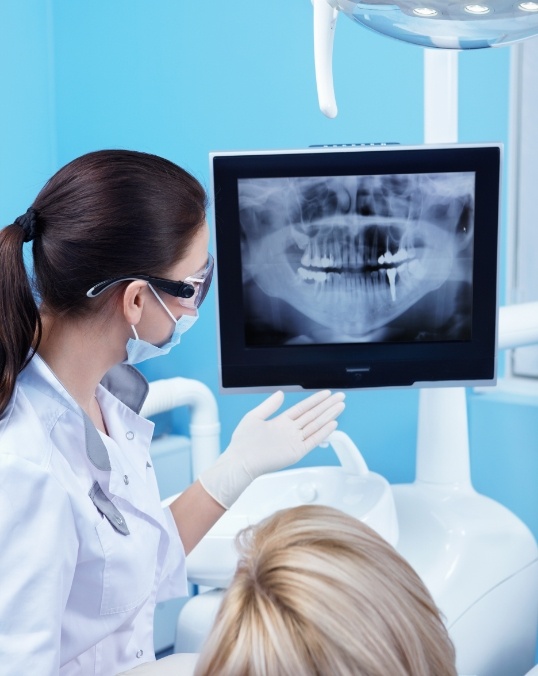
(262, 443)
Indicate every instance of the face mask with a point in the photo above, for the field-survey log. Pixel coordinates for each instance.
(139, 350)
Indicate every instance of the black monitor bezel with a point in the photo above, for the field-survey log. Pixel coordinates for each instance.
(356, 365)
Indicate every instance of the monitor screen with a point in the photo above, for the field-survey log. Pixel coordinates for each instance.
(357, 266)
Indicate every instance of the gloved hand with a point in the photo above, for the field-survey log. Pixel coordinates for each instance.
(259, 445)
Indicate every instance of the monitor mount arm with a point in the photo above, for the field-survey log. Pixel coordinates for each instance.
(443, 438)
(324, 26)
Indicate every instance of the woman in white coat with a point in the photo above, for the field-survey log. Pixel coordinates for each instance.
(86, 549)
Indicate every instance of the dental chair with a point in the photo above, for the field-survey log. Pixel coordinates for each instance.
(455, 538)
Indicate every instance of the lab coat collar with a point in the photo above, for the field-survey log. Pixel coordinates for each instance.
(95, 448)
(128, 385)
(127, 389)
(123, 381)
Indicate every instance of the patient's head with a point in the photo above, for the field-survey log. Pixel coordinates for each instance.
(318, 592)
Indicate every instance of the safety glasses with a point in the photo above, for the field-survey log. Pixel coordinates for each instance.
(190, 292)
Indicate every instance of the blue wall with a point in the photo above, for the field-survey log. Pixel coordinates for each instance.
(184, 78)
(27, 122)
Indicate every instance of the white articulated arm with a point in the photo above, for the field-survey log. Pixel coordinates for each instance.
(440, 96)
(443, 441)
(348, 454)
(518, 325)
(324, 25)
(204, 428)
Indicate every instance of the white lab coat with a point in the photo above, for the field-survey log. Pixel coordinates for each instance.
(86, 550)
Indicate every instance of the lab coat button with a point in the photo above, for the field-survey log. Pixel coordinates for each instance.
(125, 479)
(130, 435)
(139, 654)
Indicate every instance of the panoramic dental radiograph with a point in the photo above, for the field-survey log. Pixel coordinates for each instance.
(357, 258)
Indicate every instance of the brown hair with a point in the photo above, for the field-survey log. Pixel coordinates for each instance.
(106, 214)
(318, 592)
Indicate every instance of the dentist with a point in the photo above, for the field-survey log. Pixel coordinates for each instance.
(120, 268)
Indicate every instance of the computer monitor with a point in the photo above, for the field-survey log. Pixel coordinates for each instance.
(357, 267)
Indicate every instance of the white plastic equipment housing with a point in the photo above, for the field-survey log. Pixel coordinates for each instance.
(324, 26)
(351, 487)
(204, 428)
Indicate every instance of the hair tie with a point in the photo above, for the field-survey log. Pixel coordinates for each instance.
(28, 222)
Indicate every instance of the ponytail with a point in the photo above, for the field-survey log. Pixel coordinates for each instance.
(109, 213)
(20, 323)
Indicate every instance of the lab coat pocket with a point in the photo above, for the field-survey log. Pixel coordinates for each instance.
(130, 563)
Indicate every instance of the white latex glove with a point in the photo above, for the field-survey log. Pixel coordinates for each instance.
(259, 445)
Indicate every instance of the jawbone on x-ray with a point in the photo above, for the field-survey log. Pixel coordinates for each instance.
(357, 258)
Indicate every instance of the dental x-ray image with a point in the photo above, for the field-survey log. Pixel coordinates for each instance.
(349, 259)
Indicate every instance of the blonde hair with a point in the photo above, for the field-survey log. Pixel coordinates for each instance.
(319, 593)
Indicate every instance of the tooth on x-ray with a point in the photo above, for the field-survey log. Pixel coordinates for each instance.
(391, 275)
(359, 258)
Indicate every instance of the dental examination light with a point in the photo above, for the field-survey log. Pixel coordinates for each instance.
(428, 23)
